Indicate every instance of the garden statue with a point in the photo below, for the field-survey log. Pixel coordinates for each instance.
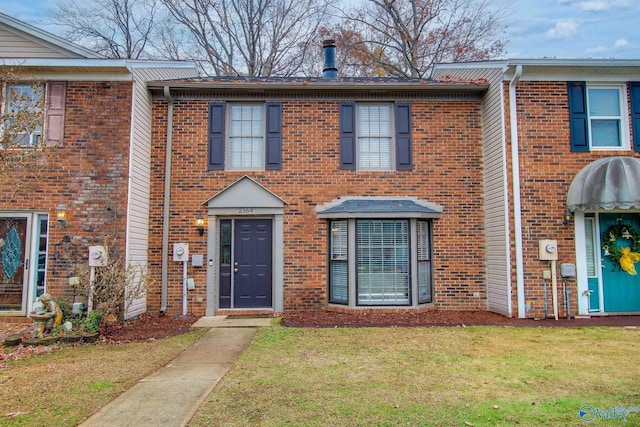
(46, 315)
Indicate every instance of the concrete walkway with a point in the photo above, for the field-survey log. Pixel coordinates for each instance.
(171, 396)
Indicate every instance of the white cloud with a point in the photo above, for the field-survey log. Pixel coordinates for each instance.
(603, 5)
(622, 43)
(595, 6)
(564, 29)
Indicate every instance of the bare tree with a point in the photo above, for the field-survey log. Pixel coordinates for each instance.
(113, 28)
(406, 38)
(251, 37)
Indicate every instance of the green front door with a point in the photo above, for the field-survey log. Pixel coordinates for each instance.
(620, 289)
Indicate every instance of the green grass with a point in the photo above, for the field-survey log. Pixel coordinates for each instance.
(481, 376)
(65, 387)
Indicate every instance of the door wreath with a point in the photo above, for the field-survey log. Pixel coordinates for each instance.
(625, 257)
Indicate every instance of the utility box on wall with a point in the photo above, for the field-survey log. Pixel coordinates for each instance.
(568, 270)
(548, 250)
(181, 252)
(97, 256)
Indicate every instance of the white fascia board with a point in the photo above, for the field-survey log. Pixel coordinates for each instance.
(94, 63)
(88, 69)
(605, 63)
(144, 64)
(597, 70)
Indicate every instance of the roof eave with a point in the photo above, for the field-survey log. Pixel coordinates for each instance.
(376, 87)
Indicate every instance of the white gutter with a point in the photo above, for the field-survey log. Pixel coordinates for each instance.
(517, 214)
(167, 202)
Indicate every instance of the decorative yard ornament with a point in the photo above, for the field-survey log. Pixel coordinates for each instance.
(625, 257)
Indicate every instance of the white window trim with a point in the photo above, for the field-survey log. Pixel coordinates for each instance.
(229, 136)
(392, 129)
(625, 137)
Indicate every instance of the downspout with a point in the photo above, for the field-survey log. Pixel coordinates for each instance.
(167, 199)
(517, 213)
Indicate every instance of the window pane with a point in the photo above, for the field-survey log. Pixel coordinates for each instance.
(605, 133)
(604, 102)
(424, 263)
(246, 137)
(24, 108)
(339, 283)
(374, 136)
(339, 272)
(424, 282)
(383, 262)
(42, 255)
(339, 240)
(590, 241)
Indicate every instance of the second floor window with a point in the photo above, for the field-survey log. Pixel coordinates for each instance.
(606, 121)
(375, 137)
(246, 136)
(599, 116)
(23, 112)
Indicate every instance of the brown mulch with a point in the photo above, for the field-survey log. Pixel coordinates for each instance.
(146, 327)
(373, 318)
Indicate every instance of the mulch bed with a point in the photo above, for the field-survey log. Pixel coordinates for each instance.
(373, 318)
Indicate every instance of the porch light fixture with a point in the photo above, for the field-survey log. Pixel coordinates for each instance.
(61, 215)
(567, 217)
(200, 224)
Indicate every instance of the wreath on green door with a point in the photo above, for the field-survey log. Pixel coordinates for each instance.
(624, 256)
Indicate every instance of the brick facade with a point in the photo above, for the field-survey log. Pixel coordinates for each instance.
(447, 170)
(88, 173)
(547, 168)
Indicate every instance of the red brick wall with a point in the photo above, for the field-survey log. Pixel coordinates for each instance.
(547, 168)
(447, 170)
(88, 173)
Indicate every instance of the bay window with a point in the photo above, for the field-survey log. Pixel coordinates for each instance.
(380, 262)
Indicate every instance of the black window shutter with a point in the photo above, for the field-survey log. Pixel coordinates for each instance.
(403, 137)
(634, 90)
(578, 117)
(273, 148)
(216, 136)
(347, 135)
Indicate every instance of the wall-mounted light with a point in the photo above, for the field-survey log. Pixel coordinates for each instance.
(200, 224)
(61, 215)
(567, 217)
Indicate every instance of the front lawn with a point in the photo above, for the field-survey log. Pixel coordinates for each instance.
(479, 376)
(65, 387)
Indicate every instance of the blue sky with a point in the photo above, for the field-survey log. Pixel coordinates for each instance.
(535, 28)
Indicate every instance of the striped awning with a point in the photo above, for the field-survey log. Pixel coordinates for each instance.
(608, 183)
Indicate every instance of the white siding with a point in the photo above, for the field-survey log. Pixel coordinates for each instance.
(495, 187)
(140, 169)
(15, 45)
